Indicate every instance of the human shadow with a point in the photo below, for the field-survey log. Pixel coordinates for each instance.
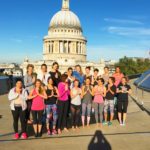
(99, 142)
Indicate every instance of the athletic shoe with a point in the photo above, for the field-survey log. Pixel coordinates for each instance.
(54, 132)
(40, 134)
(16, 136)
(48, 132)
(36, 135)
(105, 123)
(123, 124)
(24, 136)
(110, 124)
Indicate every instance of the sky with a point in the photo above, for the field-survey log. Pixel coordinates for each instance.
(113, 28)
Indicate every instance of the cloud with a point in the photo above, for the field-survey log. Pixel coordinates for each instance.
(129, 31)
(123, 21)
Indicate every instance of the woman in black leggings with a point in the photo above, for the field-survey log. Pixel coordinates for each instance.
(123, 91)
(75, 104)
(17, 97)
(38, 95)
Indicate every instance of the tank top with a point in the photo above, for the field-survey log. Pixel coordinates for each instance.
(98, 98)
(37, 102)
(87, 99)
(51, 100)
(76, 100)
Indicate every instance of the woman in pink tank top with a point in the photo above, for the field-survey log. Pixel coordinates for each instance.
(37, 95)
(99, 92)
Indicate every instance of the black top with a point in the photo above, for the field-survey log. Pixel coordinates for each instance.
(95, 80)
(56, 77)
(123, 96)
(109, 95)
(51, 100)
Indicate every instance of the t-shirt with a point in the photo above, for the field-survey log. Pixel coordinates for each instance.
(123, 96)
(109, 95)
(106, 78)
(118, 78)
(51, 100)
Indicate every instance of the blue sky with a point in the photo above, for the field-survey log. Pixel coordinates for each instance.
(113, 28)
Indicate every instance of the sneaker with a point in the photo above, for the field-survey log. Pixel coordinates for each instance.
(40, 134)
(54, 132)
(36, 135)
(24, 136)
(110, 124)
(48, 132)
(16, 136)
(105, 123)
(123, 124)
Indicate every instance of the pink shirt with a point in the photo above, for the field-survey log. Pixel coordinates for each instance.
(63, 94)
(118, 78)
(98, 98)
(37, 103)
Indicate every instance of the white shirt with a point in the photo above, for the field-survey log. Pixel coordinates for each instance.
(43, 78)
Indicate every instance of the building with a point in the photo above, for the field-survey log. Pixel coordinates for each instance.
(65, 43)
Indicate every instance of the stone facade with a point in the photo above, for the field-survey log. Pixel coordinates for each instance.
(64, 43)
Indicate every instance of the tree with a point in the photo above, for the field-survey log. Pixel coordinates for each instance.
(131, 66)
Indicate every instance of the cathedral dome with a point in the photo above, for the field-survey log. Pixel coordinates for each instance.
(65, 18)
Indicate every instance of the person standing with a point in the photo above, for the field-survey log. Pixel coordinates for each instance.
(95, 77)
(43, 75)
(99, 92)
(87, 101)
(106, 75)
(17, 97)
(37, 95)
(63, 102)
(118, 75)
(76, 95)
(78, 74)
(55, 74)
(88, 73)
(51, 106)
(29, 81)
(123, 91)
(109, 100)
(70, 77)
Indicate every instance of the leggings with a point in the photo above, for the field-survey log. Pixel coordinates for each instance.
(19, 113)
(122, 106)
(62, 114)
(28, 110)
(51, 108)
(88, 107)
(98, 108)
(37, 116)
(75, 113)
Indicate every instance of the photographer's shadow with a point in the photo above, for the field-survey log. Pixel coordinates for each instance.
(99, 142)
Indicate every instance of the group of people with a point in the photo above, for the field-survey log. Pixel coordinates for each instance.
(51, 97)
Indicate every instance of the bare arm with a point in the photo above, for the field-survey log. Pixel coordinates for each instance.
(31, 96)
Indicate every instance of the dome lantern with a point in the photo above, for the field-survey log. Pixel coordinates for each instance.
(65, 5)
